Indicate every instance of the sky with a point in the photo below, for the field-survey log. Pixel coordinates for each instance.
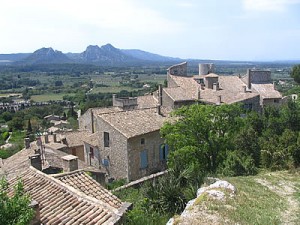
(199, 29)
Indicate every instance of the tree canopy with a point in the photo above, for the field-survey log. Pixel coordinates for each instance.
(296, 73)
(14, 210)
(226, 140)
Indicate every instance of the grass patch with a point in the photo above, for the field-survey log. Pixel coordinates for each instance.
(254, 203)
(17, 141)
(48, 97)
(112, 89)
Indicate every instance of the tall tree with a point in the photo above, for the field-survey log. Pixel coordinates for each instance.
(296, 73)
(201, 135)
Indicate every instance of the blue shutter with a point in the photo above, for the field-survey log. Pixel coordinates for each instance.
(161, 152)
(144, 159)
(105, 162)
(166, 151)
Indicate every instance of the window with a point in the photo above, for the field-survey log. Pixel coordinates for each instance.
(163, 152)
(106, 139)
(105, 162)
(142, 141)
(144, 159)
(276, 100)
(91, 152)
(248, 106)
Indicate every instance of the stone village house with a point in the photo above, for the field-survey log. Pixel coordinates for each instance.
(124, 141)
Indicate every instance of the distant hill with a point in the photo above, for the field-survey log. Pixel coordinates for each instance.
(139, 54)
(46, 56)
(106, 55)
(8, 58)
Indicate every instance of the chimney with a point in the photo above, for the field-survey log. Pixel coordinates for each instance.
(219, 100)
(46, 139)
(160, 94)
(54, 138)
(158, 109)
(114, 99)
(274, 85)
(216, 86)
(36, 220)
(27, 143)
(92, 115)
(245, 89)
(70, 163)
(36, 161)
(249, 78)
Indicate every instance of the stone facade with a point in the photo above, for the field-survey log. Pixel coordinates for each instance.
(150, 143)
(258, 76)
(178, 70)
(86, 121)
(116, 153)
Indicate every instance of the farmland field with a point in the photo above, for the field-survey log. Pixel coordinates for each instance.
(48, 97)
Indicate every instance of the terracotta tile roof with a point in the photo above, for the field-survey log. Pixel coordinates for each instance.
(60, 203)
(146, 101)
(211, 75)
(75, 138)
(98, 111)
(19, 162)
(179, 94)
(84, 183)
(93, 139)
(231, 90)
(266, 90)
(135, 122)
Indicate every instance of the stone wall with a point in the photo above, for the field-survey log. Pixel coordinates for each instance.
(171, 82)
(152, 144)
(167, 101)
(178, 70)
(255, 103)
(206, 68)
(85, 121)
(271, 102)
(93, 161)
(116, 153)
(258, 76)
(78, 151)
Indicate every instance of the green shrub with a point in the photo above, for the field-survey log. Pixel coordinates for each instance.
(236, 165)
(5, 135)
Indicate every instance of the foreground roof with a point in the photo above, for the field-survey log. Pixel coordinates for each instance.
(60, 203)
(84, 183)
(19, 162)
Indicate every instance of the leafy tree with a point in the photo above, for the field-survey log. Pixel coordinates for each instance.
(16, 123)
(205, 131)
(15, 209)
(29, 128)
(296, 73)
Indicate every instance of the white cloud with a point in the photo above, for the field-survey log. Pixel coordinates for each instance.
(59, 21)
(185, 4)
(268, 5)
